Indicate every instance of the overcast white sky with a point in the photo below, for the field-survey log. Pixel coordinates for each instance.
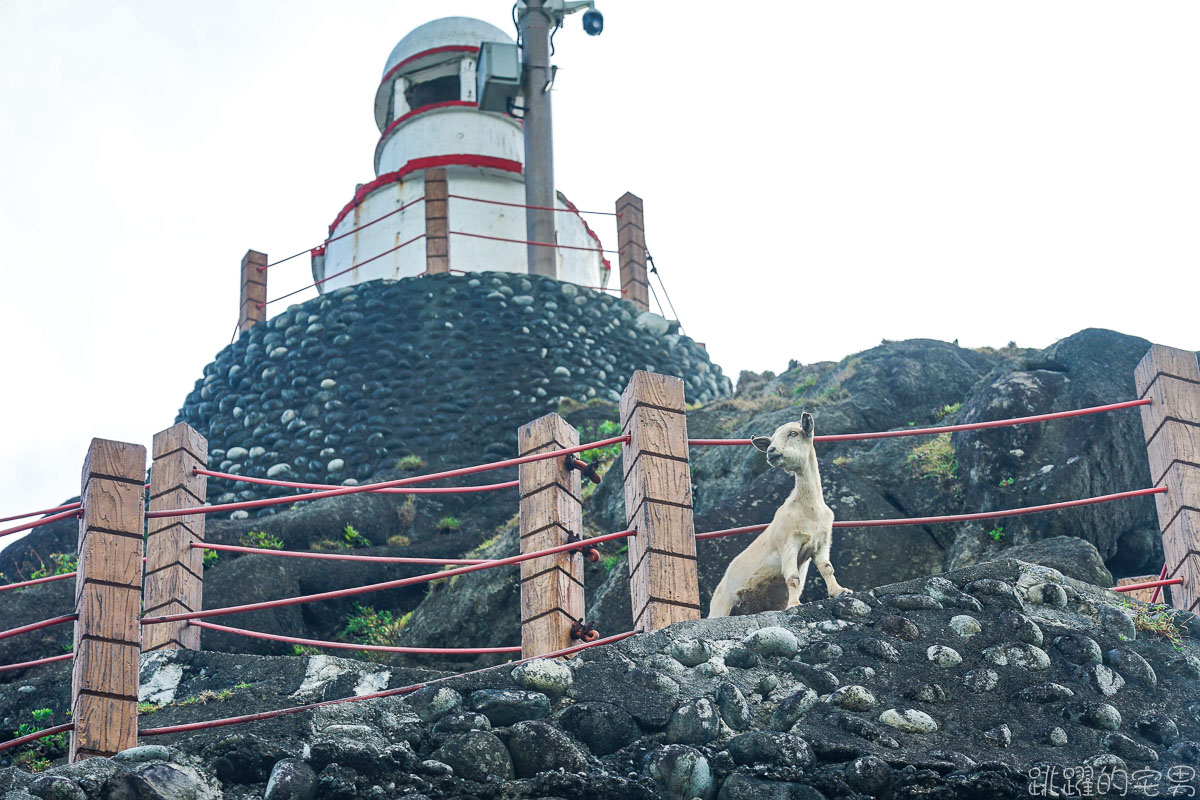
(816, 176)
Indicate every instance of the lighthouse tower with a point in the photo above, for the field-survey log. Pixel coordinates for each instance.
(449, 188)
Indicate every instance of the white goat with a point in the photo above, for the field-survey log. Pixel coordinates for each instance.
(801, 531)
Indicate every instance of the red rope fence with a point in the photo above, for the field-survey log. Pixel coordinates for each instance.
(535, 208)
(39, 662)
(491, 487)
(37, 523)
(1158, 589)
(537, 244)
(350, 232)
(375, 648)
(33, 737)
(371, 487)
(315, 284)
(1148, 585)
(218, 723)
(970, 426)
(23, 584)
(336, 556)
(1010, 512)
(37, 626)
(66, 507)
(379, 587)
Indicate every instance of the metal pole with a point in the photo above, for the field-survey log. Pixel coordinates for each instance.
(539, 139)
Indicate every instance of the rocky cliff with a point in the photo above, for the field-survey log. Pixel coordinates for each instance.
(880, 647)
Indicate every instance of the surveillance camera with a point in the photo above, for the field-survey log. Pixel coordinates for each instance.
(593, 22)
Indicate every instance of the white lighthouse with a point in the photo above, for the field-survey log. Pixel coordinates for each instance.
(449, 190)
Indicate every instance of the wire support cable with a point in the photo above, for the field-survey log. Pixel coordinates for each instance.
(537, 244)
(394, 584)
(400, 690)
(39, 662)
(37, 581)
(535, 208)
(37, 523)
(372, 487)
(315, 284)
(350, 232)
(37, 626)
(33, 737)
(1008, 512)
(1147, 585)
(374, 648)
(969, 426)
(490, 487)
(56, 509)
(233, 548)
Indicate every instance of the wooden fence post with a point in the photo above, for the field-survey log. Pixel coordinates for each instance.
(254, 290)
(437, 222)
(551, 513)
(175, 569)
(631, 242)
(108, 594)
(1171, 423)
(663, 582)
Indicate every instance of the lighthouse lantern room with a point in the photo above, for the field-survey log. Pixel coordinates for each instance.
(449, 191)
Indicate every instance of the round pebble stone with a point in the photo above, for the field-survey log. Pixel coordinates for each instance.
(849, 608)
(853, 698)
(690, 652)
(544, 675)
(1018, 654)
(1132, 666)
(901, 628)
(869, 774)
(1078, 648)
(943, 656)
(1049, 594)
(1000, 736)
(1117, 623)
(1057, 737)
(820, 653)
(1021, 627)
(965, 625)
(909, 720)
(879, 649)
(772, 641)
(912, 602)
(860, 674)
(981, 680)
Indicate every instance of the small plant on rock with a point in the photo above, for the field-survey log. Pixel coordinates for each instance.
(371, 627)
(60, 564)
(997, 533)
(605, 430)
(35, 755)
(304, 650)
(410, 462)
(399, 540)
(147, 708)
(1006, 482)
(946, 411)
(934, 460)
(1157, 619)
(448, 524)
(210, 558)
(615, 558)
(354, 538)
(261, 540)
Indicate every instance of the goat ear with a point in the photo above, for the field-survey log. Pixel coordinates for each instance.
(807, 424)
(761, 442)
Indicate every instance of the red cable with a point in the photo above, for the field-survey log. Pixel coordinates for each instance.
(297, 485)
(36, 626)
(539, 244)
(337, 556)
(535, 208)
(970, 426)
(38, 662)
(343, 272)
(437, 651)
(378, 587)
(1011, 512)
(1158, 589)
(37, 523)
(371, 487)
(219, 723)
(50, 579)
(70, 726)
(39, 513)
(327, 242)
(1148, 584)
